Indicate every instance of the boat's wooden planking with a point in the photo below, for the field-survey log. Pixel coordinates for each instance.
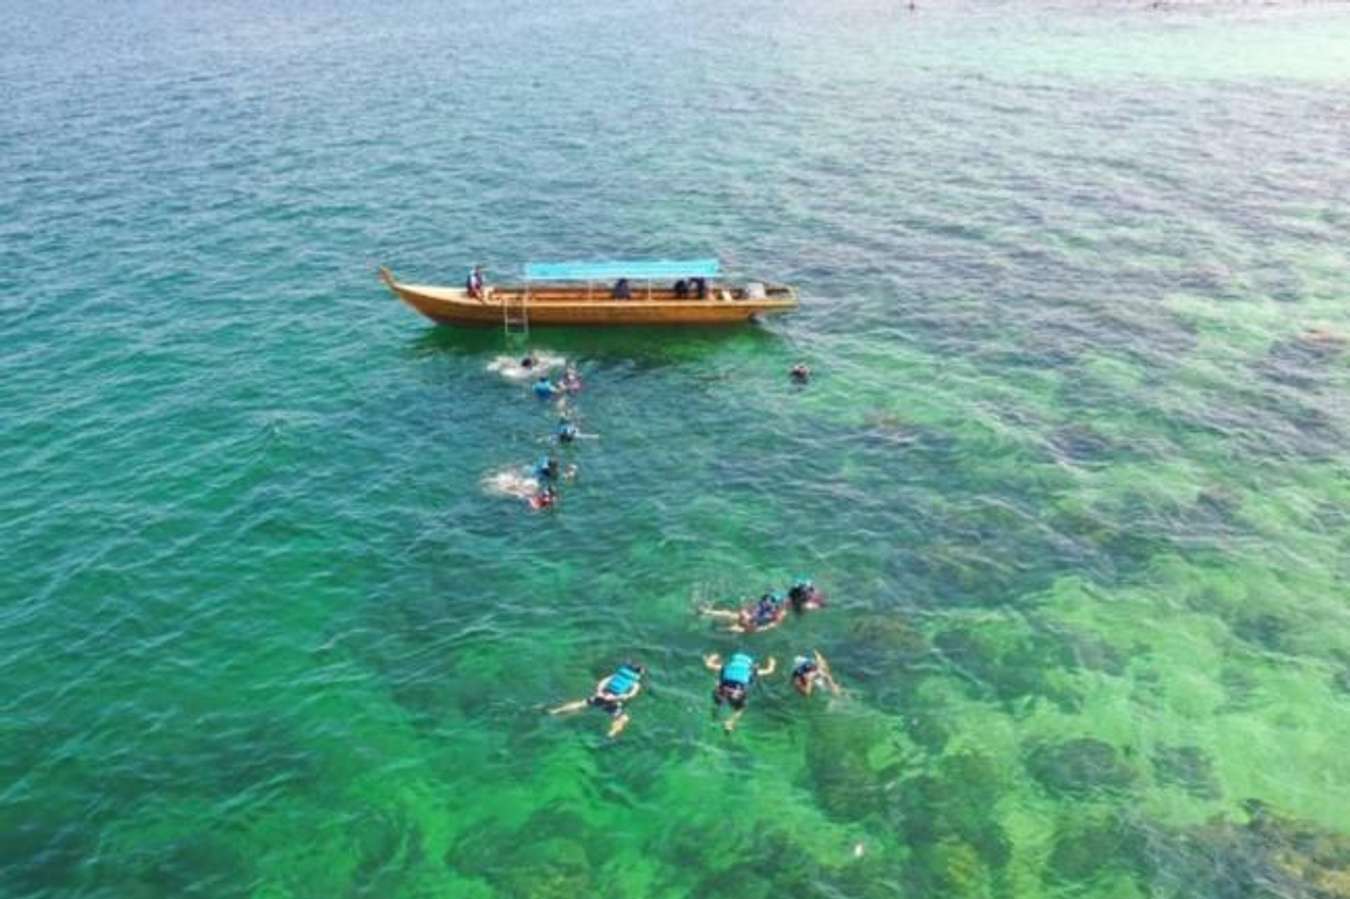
(575, 305)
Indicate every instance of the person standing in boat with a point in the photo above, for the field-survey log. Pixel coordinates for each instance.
(473, 285)
(622, 290)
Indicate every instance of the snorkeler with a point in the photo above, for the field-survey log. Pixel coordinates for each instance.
(808, 671)
(544, 388)
(804, 597)
(566, 431)
(799, 373)
(610, 695)
(547, 469)
(546, 498)
(734, 680)
(764, 614)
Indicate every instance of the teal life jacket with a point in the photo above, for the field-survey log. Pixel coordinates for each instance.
(623, 680)
(739, 670)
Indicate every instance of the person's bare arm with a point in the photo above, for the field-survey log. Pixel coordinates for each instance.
(769, 668)
(824, 667)
(713, 662)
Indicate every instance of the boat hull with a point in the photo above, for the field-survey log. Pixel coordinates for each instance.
(562, 307)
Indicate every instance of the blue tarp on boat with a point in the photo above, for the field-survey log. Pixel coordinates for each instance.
(637, 270)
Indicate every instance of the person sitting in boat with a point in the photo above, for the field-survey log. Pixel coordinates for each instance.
(544, 388)
(734, 680)
(807, 671)
(803, 596)
(681, 289)
(610, 695)
(700, 288)
(762, 615)
(621, 290)
(473, 285)
(566, 431)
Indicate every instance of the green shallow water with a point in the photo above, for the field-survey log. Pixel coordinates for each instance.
(1073, 467)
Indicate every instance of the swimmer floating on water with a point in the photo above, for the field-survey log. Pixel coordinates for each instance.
(610, 695)
(804, 597)
(807, 671)
(544, 388)
(547, 469)
(522, 368)
(571, 380)
(566, 431)
(764, 614)
(734, 680)
(799, 373)
(546, 498)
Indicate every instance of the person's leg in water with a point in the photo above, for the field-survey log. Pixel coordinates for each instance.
(709, 611)
(720, 614)
(569, 707)
(739, 710)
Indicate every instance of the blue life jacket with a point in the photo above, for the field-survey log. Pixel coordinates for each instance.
(566, 431)
(541, 469)
(623, 680)
(739, 670)
(543, 388)
(767, 608)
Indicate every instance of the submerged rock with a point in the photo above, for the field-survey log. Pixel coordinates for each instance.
(1011, 665)
(1266, 631)
(955, 805)
(1188, 768)
(949, 868)
(838, 752)
(549, 869)
(883, 642)
(1084, 847)
(1269, 856)
(1079, 767)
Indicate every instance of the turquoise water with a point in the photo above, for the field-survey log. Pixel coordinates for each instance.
(1073, 468)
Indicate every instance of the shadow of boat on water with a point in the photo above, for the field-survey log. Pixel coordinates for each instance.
(642, 346)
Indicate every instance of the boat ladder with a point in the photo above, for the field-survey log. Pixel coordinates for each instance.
(515, 313)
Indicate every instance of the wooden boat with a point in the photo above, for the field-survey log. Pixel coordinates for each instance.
(582, 294)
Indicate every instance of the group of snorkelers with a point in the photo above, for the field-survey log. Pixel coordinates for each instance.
(548, 472)
(737, 674)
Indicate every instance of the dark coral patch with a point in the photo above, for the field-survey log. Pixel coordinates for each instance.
(1188, 768)
(1080, 768)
